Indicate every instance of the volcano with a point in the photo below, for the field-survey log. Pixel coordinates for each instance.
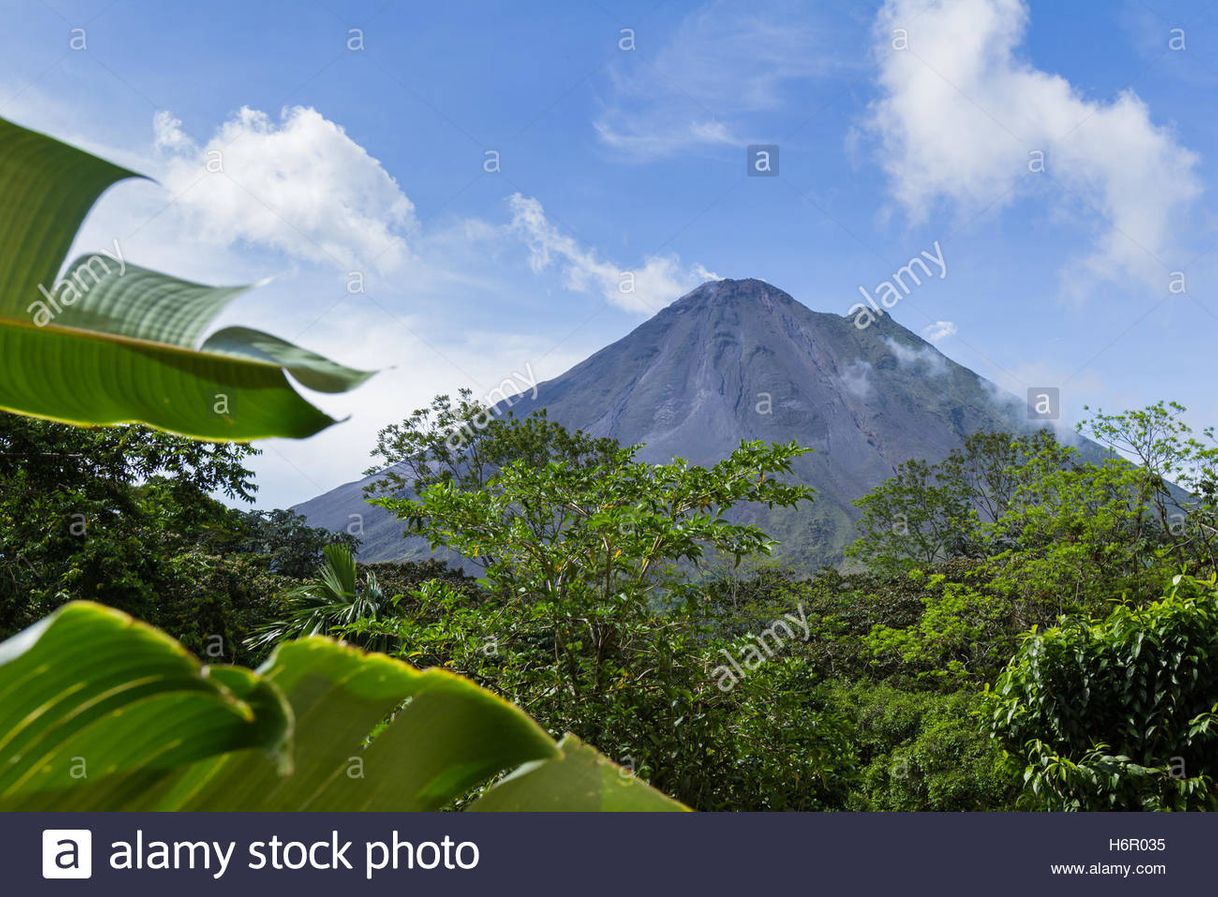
(738, 360)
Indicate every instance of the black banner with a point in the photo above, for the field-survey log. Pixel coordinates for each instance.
(385, 853)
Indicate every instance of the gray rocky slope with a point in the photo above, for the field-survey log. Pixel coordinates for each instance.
(741, 359)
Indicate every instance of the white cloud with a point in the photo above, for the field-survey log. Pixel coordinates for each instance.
(1010, 388)
(331, 189)
(938, 331)
(722, 64)
(414, 366)
(300, 186)
(923, 357)
(646, 288)
(168, 134)
(962, 116)
(856, 378)
(653, 139)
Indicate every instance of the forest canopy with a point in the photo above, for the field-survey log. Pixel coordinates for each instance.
(1018, 626)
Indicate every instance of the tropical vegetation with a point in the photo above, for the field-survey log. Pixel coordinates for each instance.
(1030, 622)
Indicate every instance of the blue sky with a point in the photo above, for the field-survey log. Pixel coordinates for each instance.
(620, 131)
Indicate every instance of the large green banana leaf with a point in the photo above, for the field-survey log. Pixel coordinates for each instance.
(108, 342)
(99, 712)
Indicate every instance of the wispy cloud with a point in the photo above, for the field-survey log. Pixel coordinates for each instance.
(724, 63)
(964, 120)
(856, 378)
(920, 358)
(643, 288)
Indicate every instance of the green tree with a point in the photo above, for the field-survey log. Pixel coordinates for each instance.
(290, 546)
(963, 634)
(334, 599)
(465, 442)
(923, 750)
(1175, 487)
(594, 534)
(1056, 533)
(930, 513)
(101, 513)
(1079, 538)
(918, 516)
(586, 613)
(1119, 713)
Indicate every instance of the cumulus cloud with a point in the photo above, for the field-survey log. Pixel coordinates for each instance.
(938, 331)
(915, 358)
(646, 288)
(962, 120)
(168, 135)
(722, 64)
(300, 185)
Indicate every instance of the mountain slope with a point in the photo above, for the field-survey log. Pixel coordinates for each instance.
(741, 359)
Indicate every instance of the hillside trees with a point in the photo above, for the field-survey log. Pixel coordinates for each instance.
(928, 513)
(1056, 532)
(1109, 701)
(464, 442)
(131, 516)
(290, 546)
(590, 534)
(1175, 474)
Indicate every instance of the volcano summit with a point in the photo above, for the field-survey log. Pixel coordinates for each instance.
(740, 359)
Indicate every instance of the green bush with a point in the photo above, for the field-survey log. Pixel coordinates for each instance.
(921, 750)
(1118, 713)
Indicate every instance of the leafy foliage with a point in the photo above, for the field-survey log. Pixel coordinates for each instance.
(614, 594)
(594, 532)
(105, 512)
(962, 633)
(112, 343)
(584, 613)
(924, 750)
(101, 712)
(291, 547)
(930, 513)
(1119, 713)
(334, 599)
(464, 443)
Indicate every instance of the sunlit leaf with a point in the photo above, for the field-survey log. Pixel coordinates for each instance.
(109, 342)
(158, 731)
